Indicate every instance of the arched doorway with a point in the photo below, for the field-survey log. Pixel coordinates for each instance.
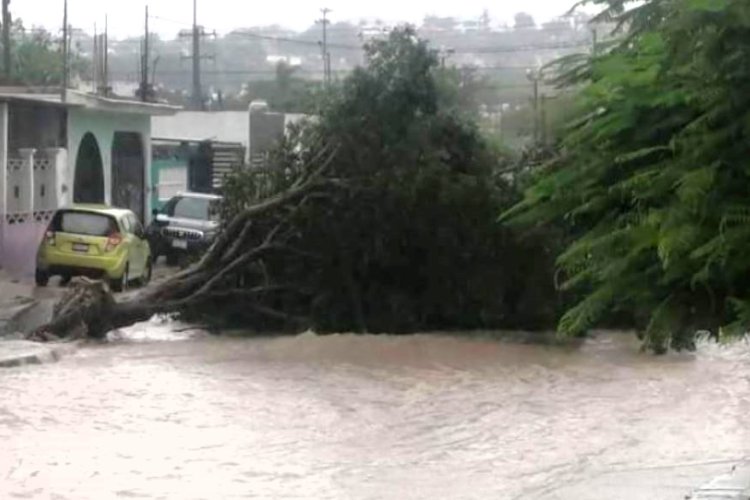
(129, 173)
(88, 185)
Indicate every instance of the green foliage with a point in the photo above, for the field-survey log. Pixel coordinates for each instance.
(408, 239)
(37, 60)
(654, 181)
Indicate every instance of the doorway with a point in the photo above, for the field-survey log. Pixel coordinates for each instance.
(88, 184)
(128, 173)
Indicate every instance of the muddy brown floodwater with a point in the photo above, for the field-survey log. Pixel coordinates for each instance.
(158, 414)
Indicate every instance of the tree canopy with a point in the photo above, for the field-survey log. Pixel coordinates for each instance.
(36, 58)
(409, 241)
(653, 178)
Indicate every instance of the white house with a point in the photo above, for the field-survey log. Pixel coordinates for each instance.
(54, 152)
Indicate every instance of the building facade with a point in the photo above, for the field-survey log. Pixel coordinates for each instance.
(55, 152)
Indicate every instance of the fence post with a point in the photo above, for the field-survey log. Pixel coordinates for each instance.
(59, 163)
(27, 180)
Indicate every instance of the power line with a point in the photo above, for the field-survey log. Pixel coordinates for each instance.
(182, 23)
(309, 71)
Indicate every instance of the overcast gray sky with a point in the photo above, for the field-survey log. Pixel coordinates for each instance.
(126, 16)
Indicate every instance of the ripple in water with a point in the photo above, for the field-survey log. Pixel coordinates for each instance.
(365, 417)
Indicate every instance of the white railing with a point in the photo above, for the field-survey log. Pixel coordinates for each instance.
(36, 185)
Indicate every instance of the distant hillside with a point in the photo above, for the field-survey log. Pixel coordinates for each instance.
(502, 55)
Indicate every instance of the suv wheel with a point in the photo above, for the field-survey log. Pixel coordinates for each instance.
(173, 258)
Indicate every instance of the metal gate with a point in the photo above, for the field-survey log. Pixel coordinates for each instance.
(129, 173)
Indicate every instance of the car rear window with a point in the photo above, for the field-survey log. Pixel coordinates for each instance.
(87, 223)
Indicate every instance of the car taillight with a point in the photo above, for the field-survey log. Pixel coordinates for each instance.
(113, 242)
(50, 238)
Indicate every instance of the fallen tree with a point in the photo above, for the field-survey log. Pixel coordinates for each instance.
(378, 216)
(90, 310)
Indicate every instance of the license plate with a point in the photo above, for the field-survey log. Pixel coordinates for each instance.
(81, 247)
(181, 244)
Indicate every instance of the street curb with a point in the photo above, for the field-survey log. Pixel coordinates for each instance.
(23, 353)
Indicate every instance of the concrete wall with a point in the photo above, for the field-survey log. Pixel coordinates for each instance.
(224, 126)
(103, 126)
(266, 128)
(257, 129)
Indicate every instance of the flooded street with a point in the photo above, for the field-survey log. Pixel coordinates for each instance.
(345, 417)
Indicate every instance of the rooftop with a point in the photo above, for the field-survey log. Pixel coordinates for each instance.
(74, 99)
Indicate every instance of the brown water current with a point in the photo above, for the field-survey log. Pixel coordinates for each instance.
(157, 414)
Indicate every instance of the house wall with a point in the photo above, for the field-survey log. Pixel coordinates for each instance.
(257, 129)
(225, 126)
(266, 129)
(169, 171)
(33, 167)
(103, 126)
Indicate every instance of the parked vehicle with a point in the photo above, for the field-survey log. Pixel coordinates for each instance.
(187, 224)
(95, 241)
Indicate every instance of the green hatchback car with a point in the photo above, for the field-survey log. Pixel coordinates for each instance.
(95, 241)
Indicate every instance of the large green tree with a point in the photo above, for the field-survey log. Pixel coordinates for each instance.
(378, 215)
(411, 241)
(653, 179)
(37, 60)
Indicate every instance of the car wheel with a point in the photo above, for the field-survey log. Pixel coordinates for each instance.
(146, 278)
(172, 259)
(120, 284)
(41, 278)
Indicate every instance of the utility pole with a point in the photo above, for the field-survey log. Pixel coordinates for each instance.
(197, 91)
(534, 76)
(65, 52)
(326, 56)
(543, 119)
(7, 64)
(95, 63)
(196, 57)
(106, 56)
(594, 41)
(101, 60)
(145, 89)
(536, 109)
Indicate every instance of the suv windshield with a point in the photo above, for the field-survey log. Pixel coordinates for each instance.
(192, 208)
(86, 223)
